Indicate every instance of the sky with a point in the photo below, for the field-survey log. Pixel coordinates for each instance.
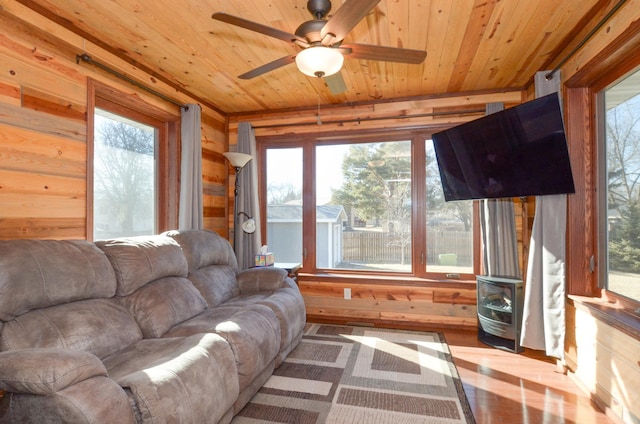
(285, 167)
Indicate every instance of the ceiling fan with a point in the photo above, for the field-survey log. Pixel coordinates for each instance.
(321, 39)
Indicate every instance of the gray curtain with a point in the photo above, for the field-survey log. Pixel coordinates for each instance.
(191, 208)
(247, 245)
(498, 231)
(543, 322)
(499, 241)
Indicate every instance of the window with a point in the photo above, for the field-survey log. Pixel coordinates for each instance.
(621, 179)
(124, 170)
(284, 204)
(363, 206)
(360, 211)
(449, 225)
(132, 172)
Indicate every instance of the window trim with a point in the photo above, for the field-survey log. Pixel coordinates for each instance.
(307, 142)
(100, 95)
(626, 303)
(582, 126)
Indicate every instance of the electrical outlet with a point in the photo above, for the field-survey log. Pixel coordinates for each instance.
(347, 293)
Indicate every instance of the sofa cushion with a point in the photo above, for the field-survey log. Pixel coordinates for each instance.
(46, 371)
(204, 247)
(186, 380)
(261, 279)
(288, 305)
(216, 283)
(163, 303)
(140, 260)
(39, 273)
(99, 326)
(95, 400)
(252, 331)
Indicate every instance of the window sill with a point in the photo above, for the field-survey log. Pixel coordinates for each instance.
(400, 280)
(611, 313)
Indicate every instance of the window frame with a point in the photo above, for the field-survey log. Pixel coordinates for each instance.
(632, 305)
(103, 96)
(584, 280)
(308, 142)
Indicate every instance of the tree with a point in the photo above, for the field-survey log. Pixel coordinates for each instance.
(436, 204)
(377, 182)
(377, 186)
(124, 174)
(278, 194)
(623, 152)
(623, 173)
(624, 249)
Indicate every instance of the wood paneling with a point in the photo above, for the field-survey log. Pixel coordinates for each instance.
(471, 45)
(403, 303)
(606, 362)
(423, 112)
(43, 132)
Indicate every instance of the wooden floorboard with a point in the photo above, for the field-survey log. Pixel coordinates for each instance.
(504, 387)
(511, 388)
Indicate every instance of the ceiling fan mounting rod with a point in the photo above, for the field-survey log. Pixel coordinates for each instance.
(319, 8)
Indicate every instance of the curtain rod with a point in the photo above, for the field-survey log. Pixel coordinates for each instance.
(584, 41)
(86, 58)
(379, 118)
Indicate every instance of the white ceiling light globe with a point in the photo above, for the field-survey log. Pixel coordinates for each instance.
(319, 61)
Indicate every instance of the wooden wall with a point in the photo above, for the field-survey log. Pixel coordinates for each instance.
(603, 358)
(406, 302)
(43, 100)
(43, 128)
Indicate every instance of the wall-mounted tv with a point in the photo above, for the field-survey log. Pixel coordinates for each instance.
(517, 152)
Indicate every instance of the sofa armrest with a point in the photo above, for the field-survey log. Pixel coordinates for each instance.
(46, 371)
(258, 279)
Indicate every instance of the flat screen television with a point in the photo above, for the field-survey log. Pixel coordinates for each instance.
(517, 152)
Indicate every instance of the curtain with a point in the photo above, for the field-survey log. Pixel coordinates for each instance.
(498, 231)
(247, 245)
(543, 321)
(499, 241)
(191, 207)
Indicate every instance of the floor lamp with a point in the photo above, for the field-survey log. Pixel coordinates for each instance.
(238, 161)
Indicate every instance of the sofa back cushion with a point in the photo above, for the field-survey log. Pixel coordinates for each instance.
(140, 260)
(40, 273)
(99, 326)
(203, 248)
(163, 303)
(216, 283)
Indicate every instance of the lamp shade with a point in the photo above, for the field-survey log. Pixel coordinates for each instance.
(249, 226)
(237, 160)
(319, 61)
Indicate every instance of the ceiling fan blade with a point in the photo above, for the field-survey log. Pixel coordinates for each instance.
(387, 54)
(256, 27)
(336, 83)
(268, 67)
(345, 18)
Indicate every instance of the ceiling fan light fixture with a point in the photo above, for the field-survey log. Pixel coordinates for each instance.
(319, 61)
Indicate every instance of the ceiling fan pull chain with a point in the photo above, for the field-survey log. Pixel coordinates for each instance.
(318, 115)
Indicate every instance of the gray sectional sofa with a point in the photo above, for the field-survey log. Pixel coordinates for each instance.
(161, 329)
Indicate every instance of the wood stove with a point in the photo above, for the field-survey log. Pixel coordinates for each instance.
(500, 303)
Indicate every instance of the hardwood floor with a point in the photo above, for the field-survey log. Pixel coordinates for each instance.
(504, 387)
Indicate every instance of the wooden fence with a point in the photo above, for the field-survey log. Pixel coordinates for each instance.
(378, 247)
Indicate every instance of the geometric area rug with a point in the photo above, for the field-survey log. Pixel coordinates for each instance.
(348, 374)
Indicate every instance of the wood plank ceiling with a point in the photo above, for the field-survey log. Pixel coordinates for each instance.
(472, 45)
